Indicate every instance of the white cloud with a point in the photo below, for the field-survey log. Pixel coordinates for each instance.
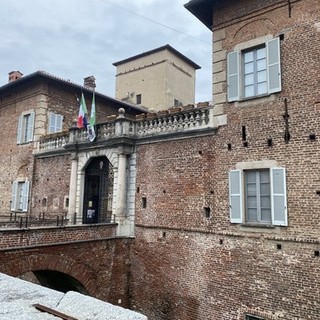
(76, 38)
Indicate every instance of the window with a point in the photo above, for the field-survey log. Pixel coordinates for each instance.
(20, 193)
(254, 71)
(55, 122)
(25, 128)
(260, 194)
(138, 99)
(257, 196)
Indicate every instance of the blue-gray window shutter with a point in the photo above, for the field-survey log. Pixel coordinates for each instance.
(274, 66)
(25, 196)
(30, 127)
(55, 122)
(279, 197)
(235, 196)
(59, 122)
(52, 123)
(14, 195)
(233, 75)
(19, 132)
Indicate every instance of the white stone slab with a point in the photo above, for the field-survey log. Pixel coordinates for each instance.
(17, 298)
(87, 308)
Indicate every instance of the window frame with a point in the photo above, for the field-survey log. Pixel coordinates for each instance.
(254, 72)
(258, 195)
(20, 195)
(279, 214)
(235, 69)
(25, 130)
(58, 122)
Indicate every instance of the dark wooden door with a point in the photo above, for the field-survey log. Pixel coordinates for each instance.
(98, 191)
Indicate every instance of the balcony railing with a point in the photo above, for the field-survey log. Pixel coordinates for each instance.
(53, 143)
(172, 123)
(151, 125)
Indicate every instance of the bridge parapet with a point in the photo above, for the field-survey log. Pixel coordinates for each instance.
(16, 238)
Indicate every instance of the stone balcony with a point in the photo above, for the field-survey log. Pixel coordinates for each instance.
(175, 123)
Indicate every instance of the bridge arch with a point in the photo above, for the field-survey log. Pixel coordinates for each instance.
(55, 280)
(45, 266)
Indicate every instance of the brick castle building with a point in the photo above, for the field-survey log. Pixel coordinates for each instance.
(217, 202)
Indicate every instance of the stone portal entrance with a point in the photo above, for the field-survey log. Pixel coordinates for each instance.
(98, 191)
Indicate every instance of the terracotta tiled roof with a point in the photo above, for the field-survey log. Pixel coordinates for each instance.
(44, 74)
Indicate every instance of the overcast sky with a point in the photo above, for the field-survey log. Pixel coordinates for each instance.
(73, 39)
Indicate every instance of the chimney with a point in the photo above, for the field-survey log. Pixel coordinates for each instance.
(89, 82)
(14, 75)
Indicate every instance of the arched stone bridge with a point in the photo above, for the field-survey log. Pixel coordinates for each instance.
(85, 258)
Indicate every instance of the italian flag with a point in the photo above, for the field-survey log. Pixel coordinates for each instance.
(82, 121)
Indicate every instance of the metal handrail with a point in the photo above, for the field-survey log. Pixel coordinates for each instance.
(19, 219)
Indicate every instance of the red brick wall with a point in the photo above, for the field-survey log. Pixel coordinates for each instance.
(192, 275)
(15, 160)
(192, 267)
(51, 181)
(168, 174)
(300, 78)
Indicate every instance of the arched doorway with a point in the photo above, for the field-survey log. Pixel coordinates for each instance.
(98, 191)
